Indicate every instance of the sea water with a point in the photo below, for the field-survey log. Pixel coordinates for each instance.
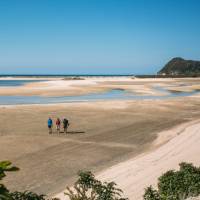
(12, 83)
(114, 94)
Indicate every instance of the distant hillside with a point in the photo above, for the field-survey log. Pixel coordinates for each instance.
(179, 66)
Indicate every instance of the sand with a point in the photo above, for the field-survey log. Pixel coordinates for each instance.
(101, 134)
(135, 174)
(61, 87)
(143, 171)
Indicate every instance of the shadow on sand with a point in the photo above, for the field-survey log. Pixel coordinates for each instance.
(69, 132)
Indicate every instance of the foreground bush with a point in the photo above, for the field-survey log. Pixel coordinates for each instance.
(89, 188)
(5, 166)
(176, 185)
(26, 196)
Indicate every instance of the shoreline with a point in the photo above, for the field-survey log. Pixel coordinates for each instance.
(59, 88)
(113, 103)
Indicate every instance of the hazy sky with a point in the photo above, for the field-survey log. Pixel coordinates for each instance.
(96, 36)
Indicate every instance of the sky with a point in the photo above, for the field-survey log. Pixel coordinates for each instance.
(96, 36)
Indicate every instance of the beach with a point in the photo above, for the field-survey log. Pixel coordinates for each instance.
(107, 90)
(114, 138)
(136, 174)
(87, 85)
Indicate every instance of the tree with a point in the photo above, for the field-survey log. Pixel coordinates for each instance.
(151, 194)
(89, 188)
(4, 167)
(26, 196)
(176, 185)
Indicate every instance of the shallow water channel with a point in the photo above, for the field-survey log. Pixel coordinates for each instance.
(114, 94)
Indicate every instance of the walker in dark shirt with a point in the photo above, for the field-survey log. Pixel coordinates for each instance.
(65, 124)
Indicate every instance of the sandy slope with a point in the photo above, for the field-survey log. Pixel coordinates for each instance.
(134, 175)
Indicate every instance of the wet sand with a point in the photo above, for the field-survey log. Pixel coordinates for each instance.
(61, 87)
(144, 170)
(101, 134)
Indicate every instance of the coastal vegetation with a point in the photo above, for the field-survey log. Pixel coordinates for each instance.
(179, 66)
(87, 187)
(176, 185)
(172, 185)
(5, 166)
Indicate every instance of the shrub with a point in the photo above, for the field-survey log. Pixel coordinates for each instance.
(26, 196)
(151, 194)
(176, 185)
(4, 167)
(89, 188)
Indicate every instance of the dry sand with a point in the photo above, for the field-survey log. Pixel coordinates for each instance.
(135, 174)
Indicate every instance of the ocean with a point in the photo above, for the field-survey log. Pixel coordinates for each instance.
(7, 83)
(115, 94)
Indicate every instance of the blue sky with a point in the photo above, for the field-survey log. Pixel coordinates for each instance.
(96, 36)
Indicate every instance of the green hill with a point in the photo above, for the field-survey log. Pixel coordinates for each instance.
(179, 66)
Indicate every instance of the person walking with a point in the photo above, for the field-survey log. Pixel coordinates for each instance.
(65, 124)
(58, 125)
(50, 125)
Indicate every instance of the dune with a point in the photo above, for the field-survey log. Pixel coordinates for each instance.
(180, 144)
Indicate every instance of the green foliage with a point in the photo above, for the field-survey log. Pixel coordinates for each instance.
(86, 179)
(26, 196)
(176, 185)
(151, 194)
(89, 188)
(179, 66)
(4, 192)
(4, 167)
